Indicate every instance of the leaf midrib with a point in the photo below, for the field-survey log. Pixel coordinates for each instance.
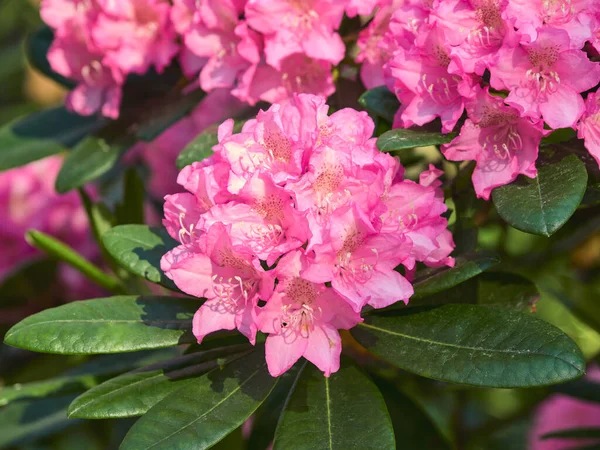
(209, 411)
(465, 347)
(145, 322)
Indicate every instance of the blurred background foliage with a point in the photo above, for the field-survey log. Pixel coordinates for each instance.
(565, 269)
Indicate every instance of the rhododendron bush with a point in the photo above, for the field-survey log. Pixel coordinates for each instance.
(305, 225)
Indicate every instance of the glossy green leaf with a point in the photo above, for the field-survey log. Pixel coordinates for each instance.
(380, 101)
(63, 252)
(139, 249)
(82, 377)
(107, 325)
(197, 150)
(343, 411)
(400, 139)
(436, 280)
(134, 393)
(92, 157)
(26, 420)
(42, 134)
(544, 204)
(36, 47)
(202, 413)
(474, 345)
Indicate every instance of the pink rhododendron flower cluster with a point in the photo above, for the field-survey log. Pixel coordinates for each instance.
(99, 42)
(561, 413)
(28, 201)
(513, 65)
(300, 211)
(257, 49)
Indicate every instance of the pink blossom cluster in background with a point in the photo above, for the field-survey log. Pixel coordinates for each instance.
(560, 413)
(510, 64)
(259, 49)
(309, 197)
(28, 201)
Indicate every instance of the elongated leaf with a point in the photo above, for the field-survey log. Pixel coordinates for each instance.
(340, 412)
(42, 134)
(400, 139)
(466, 267)
(475, 345)
(82, 377)
(93, 157)
(134, 393)
(544, 204)
(37, 46)
(107, 325)
(139, 249)
(26, 420)
(63, 252)
(201, 414)
(380, 101)
(577, 433)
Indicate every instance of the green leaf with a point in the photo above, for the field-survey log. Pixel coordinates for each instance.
(26, 420)
(197, 150)
(343, 411)
(131, 210)
(42, 134)
(63, 252)
(574, 433)
(559, 135)
(381, 102)
(36, 47)
(544, 204)
(431, 281)
(400, 139)
(107, 325)
(82, 377)
(473, 345)
(139, 249)
(93, 157)
(134, 393)
(201, 414)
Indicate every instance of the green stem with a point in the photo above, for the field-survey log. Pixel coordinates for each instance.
(67, 254)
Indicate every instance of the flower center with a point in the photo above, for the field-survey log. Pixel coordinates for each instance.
(232, 293)
(442, 90)
(543, 58)
(558, 11)
(278, 146)
(270, 207)
(504, 142)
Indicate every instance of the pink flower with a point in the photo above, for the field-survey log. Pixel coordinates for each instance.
(503, 143)
(546, 77)
(298, 27)
(56, 13)
(28, 201)
(210, 41)
(74, 55)
(225, 274)
(560, 413)
(423, 84)
(135, 35)
(308, 196)
(589, 127)
(302, 319)
(359, 262)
